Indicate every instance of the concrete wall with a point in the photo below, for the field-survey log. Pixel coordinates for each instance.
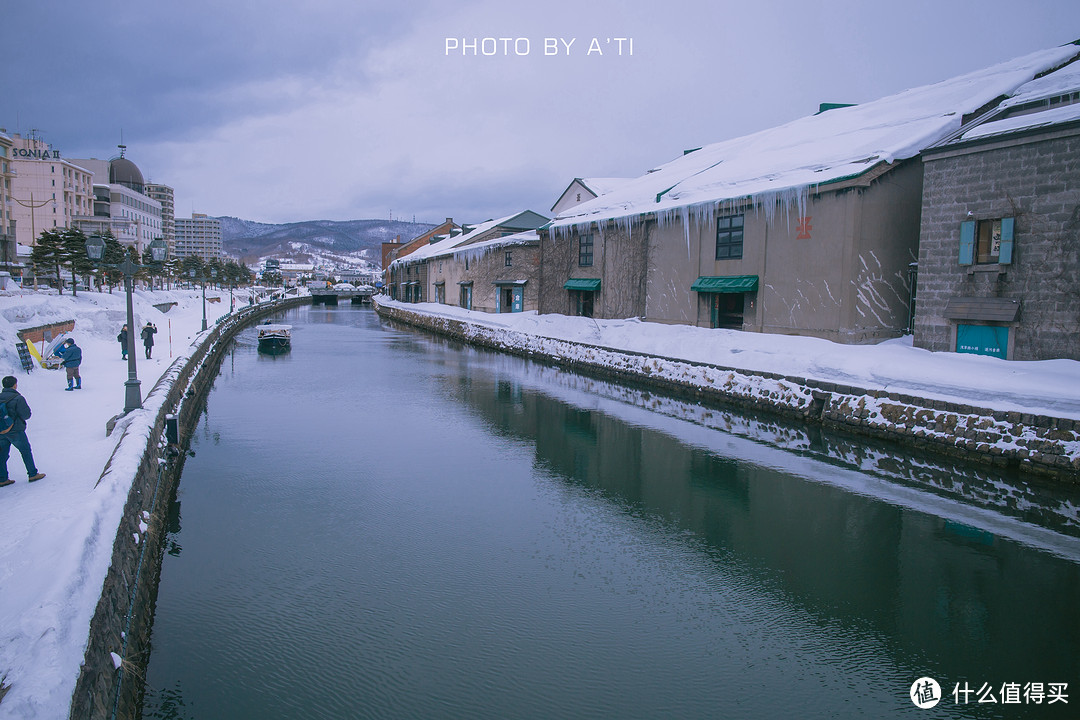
(1036, 179)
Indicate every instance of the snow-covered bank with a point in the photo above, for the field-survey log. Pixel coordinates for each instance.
(1026, 412)
(58, 533)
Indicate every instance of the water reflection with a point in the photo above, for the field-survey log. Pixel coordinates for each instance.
(446, 532)
(934, 586)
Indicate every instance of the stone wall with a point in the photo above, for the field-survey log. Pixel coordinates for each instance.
(620, 257)
(122, 619)
(1031, 444)
(1036, 180)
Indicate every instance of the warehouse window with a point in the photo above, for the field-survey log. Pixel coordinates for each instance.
(585, 250)
(729, 237)
(986, 241)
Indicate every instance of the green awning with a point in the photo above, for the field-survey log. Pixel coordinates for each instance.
(592, 284)
(728, 284)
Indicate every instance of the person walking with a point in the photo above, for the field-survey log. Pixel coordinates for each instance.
(16, 436)
(148, 338)
(70, 358)
(122, 338)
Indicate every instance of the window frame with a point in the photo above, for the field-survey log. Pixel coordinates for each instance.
(726, 230)
(978, 238)
(586, 245)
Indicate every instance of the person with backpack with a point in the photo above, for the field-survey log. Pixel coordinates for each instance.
(70, 358)
(148, 337)
(122, 338)
(14, 412)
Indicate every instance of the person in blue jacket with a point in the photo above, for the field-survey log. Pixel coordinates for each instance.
(70, 358)
(16, 436)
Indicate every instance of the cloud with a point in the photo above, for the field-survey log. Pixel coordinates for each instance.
(332, 109)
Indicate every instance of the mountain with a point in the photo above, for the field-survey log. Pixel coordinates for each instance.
(344, 242)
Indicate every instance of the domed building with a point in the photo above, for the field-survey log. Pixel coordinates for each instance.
(124, 172)
(122, 206)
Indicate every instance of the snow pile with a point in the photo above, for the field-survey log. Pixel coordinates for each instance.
(1044, 387)
(58, 532)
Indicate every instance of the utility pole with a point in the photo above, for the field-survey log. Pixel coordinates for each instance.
(33, 227)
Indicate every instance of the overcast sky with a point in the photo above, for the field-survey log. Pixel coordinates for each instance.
(342, 109)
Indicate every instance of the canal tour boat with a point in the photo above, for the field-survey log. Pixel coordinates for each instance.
(274, 338)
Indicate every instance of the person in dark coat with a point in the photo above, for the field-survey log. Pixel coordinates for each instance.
(16, 436)
(148, 338)
(70, 359)
(122, 338)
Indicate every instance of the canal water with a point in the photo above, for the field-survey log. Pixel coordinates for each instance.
(386, 524)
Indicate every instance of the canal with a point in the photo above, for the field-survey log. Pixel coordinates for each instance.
(386, 524)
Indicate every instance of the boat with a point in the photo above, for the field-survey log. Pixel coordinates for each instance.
(274, 338)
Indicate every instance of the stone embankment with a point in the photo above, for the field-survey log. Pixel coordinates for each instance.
(1031, 444)
(110, 681)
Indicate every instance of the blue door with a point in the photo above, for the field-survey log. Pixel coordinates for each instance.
(983, 340)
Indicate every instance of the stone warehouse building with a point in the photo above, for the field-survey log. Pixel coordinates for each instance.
(810, 228)
(490, 267)
(999, 261)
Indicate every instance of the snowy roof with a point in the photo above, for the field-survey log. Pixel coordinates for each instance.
(484, 246)
(602, 186)
(1049, 100)
(595, 186)
(783, 163)
(448, 244)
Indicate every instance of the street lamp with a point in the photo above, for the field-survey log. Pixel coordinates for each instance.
(202, 277)
(191, 274)
(95, 250)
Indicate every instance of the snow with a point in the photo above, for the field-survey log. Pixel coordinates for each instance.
(1055, 84)
(58, 532)
(1056, 116)
(781, 165)
(1046, 387)
(602, 186)
(1065, 81)
(447, 246)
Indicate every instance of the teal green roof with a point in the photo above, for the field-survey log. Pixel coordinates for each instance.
(582, 284)
(728, 284)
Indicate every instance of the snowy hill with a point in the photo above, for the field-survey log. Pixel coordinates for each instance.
(313, 239)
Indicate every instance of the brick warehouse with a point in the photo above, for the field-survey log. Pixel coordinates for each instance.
(999, 259)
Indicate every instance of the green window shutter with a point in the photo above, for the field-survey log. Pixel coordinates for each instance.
(967, 242)
(1006, 248)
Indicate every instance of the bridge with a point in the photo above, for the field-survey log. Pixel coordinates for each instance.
(331, 295)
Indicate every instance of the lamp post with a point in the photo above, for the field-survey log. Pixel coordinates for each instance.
(202, 279)
(95, 250)
(191, 274)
